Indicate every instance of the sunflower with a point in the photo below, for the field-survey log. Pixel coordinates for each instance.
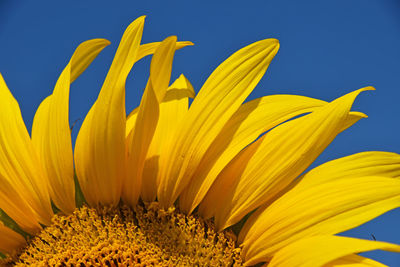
(219, 183)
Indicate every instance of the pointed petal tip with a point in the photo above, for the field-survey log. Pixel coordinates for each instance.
(268, 43)
(270, 46)
(140, 20)
(173, 38)
(103, 41)
(272, 41)
(189, 43)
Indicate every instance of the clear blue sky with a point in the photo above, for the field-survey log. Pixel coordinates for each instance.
(328, 48)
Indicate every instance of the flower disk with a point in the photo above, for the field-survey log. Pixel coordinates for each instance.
(122, 237)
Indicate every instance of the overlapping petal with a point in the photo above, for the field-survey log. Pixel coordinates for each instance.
(172, 110)
(323, 209)
(147, 118)
(145, 50)
(10, 240)
(248, 123)
(321, 250)
(51, 135)
(17, 208)
(284, 153)
(220, 97)
(20, 164)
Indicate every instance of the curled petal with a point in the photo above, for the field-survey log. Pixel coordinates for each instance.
(51, 133)
(100, 145)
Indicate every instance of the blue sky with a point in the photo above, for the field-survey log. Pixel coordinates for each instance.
(328, 48)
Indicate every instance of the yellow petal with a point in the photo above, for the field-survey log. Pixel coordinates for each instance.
(147, 118)
(10, 240)
(19, 163)
(352, 118)
(145, 50)
(324, 209)
(16, 207)
(355, 260)
(51, 135)
(83, 56)
(374, 163)
(131, 121)
(221, 95)
(286, 151)
(247, 124)
(148, 49)
(100, 145)
(320, 250)
(172, 109)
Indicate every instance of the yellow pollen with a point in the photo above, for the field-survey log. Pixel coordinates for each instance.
(145, 236)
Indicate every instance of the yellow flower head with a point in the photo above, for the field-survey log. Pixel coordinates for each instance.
(219, 183)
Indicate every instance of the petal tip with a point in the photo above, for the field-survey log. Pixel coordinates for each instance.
(368, 88)
(105, 42)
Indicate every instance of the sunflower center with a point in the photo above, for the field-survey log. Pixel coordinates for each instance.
(120, 236)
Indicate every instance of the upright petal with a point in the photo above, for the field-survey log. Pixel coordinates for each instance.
(172, 109)
(285, 152)
(246, 125)
(220, 97)
(147, 118)
(145, 50)
(19, 163)
(100, 145)
(321, 250)
(10, 240)
(51, 135)
(323, 209)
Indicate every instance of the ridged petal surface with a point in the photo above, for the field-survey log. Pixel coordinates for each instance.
(219, 98)
(17, 208)
(246, 125)
(372, 163)
(251, 180)
(324, 209)
(321, 250)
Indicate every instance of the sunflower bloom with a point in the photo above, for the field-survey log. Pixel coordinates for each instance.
(219, 182)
